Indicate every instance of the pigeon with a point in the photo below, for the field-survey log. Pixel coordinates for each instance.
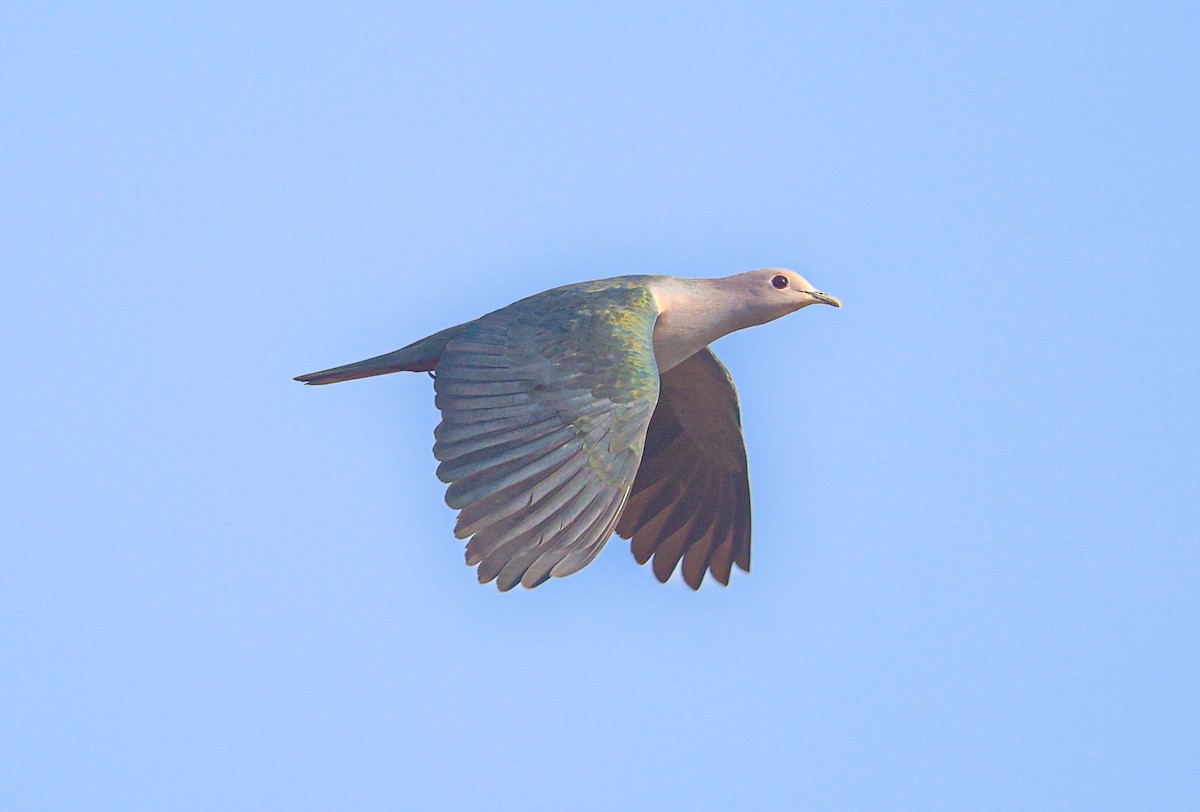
(592, 408)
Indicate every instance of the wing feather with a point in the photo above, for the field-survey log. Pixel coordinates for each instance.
(583, 554)
(451, 402)
(540, 511)
(491, 372)
(484, 460)
(545, 406)
(558, 535)
(451, 432)
(454, 417)
(691, 498)
(508, 560)
(502, 437)
(499, 506)
(588, 542)
(463, 492)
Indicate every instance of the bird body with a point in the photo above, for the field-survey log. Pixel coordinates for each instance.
(596, 407)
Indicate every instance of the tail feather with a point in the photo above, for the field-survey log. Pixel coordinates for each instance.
(420, 356)
(380, 365)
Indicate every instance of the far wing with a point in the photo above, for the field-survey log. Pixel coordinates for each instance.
(544, 407)
(691, 497)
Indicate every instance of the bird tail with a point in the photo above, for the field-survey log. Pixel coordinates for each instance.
(420, 356)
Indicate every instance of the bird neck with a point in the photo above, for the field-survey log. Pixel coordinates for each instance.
(693, 313)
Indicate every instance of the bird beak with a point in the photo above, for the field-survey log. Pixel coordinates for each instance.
(824, 298)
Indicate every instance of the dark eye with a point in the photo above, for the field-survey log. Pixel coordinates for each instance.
(780, 282)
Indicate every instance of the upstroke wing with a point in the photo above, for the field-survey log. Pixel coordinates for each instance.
(691, 497)
(545, 406)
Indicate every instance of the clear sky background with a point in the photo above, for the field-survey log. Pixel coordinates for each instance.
(977, 542)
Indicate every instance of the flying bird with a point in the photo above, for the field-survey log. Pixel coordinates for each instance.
(591, 408)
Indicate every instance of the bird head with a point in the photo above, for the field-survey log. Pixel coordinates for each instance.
(776, 292)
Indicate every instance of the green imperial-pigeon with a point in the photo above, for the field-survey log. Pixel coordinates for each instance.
(591, 408)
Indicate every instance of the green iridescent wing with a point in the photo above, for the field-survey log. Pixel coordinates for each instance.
(691, 498)
(545, 406)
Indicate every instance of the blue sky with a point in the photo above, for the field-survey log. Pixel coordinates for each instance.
(975, 486)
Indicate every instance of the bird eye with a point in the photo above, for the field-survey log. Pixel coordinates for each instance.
(780, 282)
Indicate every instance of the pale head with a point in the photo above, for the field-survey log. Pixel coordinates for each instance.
(776, 292)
